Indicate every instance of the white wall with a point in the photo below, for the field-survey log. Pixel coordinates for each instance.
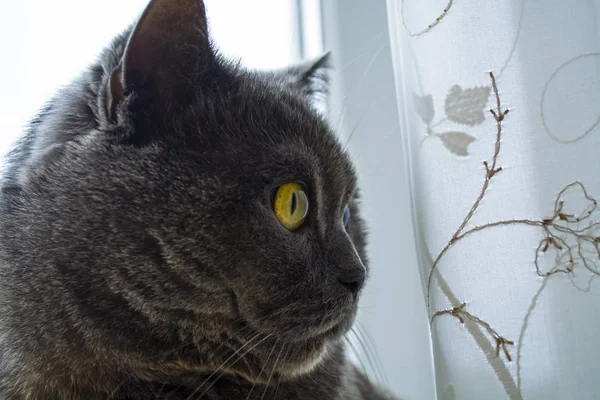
(364, 105)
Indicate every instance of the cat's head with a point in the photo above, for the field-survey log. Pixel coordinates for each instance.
(213, 200)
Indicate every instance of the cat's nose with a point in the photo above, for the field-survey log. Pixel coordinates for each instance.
(353, 279)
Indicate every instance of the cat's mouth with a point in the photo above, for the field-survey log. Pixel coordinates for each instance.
(328, 332)
(302, 333)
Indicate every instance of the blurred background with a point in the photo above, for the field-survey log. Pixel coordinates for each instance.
(47, 43)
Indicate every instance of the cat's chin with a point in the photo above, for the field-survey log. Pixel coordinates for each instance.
(292, 359)
(307, 365)
(311, 352)
(291, 353)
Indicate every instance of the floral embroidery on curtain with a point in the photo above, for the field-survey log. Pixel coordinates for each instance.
(553, 101)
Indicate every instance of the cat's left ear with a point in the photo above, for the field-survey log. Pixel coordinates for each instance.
(309, 78)
(168, 46)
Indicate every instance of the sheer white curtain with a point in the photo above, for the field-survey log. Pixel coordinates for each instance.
(504, 203)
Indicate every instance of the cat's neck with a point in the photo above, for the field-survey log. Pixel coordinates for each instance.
(334, 378)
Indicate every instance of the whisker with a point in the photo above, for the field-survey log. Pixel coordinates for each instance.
(357, 84)
(276, 391)
(224, 363)
(261, 370)
(272, 372)
(360, 119)
(323, 365)
(371, 342)
(358, 357)
(119, 386)
(367, 352)
(161, 390)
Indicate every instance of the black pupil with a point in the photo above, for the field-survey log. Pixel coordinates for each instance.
(294, 203)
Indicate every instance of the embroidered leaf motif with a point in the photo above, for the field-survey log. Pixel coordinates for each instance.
(457, 142)
(466, 106)
(424, 107)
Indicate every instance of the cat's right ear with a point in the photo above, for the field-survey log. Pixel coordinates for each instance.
(167, 46)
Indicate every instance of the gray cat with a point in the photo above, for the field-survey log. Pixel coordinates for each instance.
(173, 226)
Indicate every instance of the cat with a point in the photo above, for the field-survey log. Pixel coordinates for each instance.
(174, 226)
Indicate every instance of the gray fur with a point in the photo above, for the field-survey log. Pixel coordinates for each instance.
(138, 247)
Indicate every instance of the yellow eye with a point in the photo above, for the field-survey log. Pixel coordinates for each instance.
(291, 205)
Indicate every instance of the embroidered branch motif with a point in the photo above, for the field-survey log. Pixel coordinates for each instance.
(461, 314)
(462, 106)
(490, 172)
(570, 232)
(432, 25)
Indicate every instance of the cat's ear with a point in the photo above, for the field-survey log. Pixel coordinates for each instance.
(167, 46)
(310, 78)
